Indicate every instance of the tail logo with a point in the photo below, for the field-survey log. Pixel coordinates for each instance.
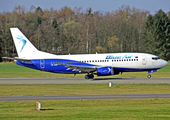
(20, 38)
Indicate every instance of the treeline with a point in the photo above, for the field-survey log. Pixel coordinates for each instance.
(76, 31)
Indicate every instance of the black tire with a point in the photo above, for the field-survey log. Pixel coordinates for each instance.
(149, 76)
(91, 76)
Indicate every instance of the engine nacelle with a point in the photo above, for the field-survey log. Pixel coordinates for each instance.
(106, 71)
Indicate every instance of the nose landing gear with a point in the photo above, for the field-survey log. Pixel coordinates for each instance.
(148, 76)
(151, 71)
(89, 76)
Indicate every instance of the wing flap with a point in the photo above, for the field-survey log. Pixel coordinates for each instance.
(81, 67)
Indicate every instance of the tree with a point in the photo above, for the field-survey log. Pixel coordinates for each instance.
(100, 49)
(89, 11)
(39, 11)
(112, 44)
(0, 50)
(55, 24)
(38, 21)
(77, 31)
(70, 31)
(156, 38)
(168, 14)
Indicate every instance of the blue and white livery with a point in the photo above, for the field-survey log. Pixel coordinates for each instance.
(92, 64)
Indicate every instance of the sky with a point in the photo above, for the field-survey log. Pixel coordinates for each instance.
(96, 5)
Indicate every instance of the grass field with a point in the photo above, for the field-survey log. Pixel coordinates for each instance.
(123, 109)
(8, 70)
(109, 109)
(87, 89)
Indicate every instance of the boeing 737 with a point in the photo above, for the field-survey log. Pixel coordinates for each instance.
(91, 64)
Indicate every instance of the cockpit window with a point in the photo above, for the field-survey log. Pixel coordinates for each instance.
(155, 58)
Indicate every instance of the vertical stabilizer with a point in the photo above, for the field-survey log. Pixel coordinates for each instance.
(23, 46)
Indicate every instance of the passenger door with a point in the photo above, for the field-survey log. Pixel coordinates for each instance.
(144, 60)
(42, 64)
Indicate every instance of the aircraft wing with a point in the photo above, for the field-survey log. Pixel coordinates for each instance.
(81, 67)
(16, 58)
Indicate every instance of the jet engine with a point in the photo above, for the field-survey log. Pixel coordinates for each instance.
(104, 71)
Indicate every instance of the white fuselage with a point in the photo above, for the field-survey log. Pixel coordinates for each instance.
(141, 61)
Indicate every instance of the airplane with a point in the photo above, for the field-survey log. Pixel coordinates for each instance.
(91, 64)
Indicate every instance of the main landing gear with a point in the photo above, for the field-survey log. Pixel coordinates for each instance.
(89, 76)
(148, 76)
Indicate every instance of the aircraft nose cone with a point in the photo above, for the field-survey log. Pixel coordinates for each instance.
(165, 63)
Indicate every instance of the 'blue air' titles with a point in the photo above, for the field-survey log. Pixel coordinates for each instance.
(118, 57)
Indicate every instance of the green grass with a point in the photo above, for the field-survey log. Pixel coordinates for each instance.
(124, 109)
(11, 70)
(90, 89)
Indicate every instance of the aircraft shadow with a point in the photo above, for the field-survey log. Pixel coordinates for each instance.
(95, 79)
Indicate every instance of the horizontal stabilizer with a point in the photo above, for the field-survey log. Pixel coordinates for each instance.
(16, 58)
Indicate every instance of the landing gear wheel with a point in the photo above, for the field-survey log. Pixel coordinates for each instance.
(91, 76)
(149, 76)
(86, 76)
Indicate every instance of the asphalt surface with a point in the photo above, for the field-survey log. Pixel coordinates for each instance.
(84, 81)
(83, 97)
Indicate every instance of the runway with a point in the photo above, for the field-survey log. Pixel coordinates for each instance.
(83, 97)
(84, 81)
